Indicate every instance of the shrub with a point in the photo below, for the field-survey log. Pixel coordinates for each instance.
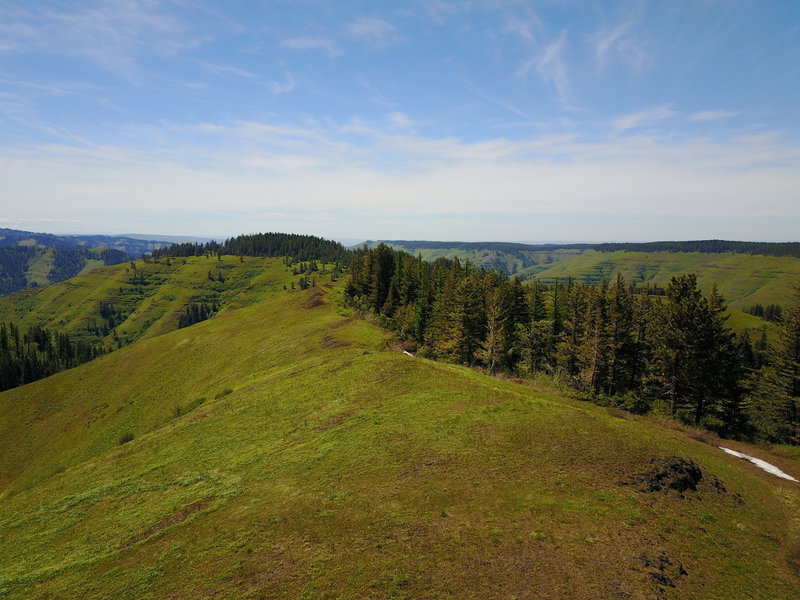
(125, 438)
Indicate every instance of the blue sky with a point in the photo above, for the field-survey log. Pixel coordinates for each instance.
(477, 120)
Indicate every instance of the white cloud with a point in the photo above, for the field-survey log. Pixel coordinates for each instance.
(282, 87)
(399, 119)
(522, 27)
(373, 30)
(223, 70)
(619, 42)
(313, 43)
(550, 66)
(480, 92)
(643, 118)
(388, 175)
(111, 35)
(712, 115)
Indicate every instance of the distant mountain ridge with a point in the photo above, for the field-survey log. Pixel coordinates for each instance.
(29, 258)
(747, 273)
(704, 246)
(135, 247)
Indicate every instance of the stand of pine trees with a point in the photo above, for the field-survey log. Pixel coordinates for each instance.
(38, 353)
(299, 247)
(668, 353)
(198, 311)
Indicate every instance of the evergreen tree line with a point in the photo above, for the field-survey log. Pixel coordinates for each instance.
(13, 265)
(68, 263)
(38, 353)
(616, 344)
(770, 312)
(111, 315)
(198, 311)
(299, 247)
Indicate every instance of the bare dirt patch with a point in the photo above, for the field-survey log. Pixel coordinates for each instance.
(175, 518)
(317, 298)
(672, 473)
(334, 421)
(329, 342)
(663, 570)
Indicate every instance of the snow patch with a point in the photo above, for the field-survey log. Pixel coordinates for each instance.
(761, 464)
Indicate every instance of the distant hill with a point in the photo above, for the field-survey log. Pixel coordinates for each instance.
(284, 449)
(117, 305)
(134, 247)
(703, 246)
(747, 273)
(34, 259)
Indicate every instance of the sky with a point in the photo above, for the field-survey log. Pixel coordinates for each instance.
(475, 120)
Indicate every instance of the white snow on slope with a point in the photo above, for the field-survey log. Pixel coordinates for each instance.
(762, 464)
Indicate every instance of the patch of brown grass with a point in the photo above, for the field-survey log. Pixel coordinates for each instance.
(175, 518)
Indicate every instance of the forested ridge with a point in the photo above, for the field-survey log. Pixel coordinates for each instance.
(13, 265)
(703, 246)
(132, 246)
(298, 247)
(15, 262)
(617, 344)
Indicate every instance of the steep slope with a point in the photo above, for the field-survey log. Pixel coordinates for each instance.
(147, 297)
(322, 464)
(743, 279)
(35, 259)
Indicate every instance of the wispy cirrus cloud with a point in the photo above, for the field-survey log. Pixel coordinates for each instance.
(550, 66)
(712, 115)
(283, 87)
(482, 93)
(399, 119)
(373, 31)
(223, 70)
(313, 43)
(642, 118)
(619, 42)
(113, 36)
(523, 27)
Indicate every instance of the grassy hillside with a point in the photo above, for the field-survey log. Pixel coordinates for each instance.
(284, 450)
(743, 279)
(150, 296)
(36, 259)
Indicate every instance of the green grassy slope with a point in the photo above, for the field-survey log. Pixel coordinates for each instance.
(323, 464)
(743, 279)
(39, 268)
(152, 308)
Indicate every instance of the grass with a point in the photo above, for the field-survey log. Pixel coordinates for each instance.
(39, 267)
(309, 460)
(153, 308)
(743, 279)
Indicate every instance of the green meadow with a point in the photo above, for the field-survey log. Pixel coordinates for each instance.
(743, 279)
(285, 449)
